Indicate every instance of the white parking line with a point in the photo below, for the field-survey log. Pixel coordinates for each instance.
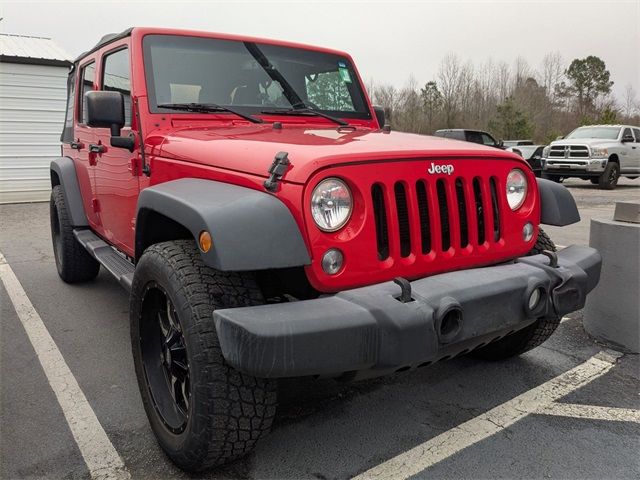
(98, 452)
(592, 412)
(483, 426)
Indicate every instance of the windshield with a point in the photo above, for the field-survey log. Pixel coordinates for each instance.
(609, 133)
(248, 76)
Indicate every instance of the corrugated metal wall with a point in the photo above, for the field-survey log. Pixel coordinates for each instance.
(32, 105)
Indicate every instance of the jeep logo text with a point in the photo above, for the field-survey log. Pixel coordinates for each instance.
(448, 169)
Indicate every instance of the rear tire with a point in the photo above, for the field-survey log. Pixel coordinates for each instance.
(203, 412)
(609, 178)
(529, 337)
(73, 262)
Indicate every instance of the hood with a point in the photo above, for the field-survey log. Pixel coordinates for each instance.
(583, 141)
(252, 148)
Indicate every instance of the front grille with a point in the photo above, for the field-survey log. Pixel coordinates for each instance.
(380, 214)
(569, 151)
(448, 213)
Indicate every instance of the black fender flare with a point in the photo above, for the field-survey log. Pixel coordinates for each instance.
(251, 230)
(65, 172)
(557, 206)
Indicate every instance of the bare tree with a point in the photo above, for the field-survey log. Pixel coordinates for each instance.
(551, 74)
(449, 80)
(630, 104)
(387, 97)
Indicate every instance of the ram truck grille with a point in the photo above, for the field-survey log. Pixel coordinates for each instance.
(569, 151)
(409, 223)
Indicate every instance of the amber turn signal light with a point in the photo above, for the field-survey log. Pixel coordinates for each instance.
(205, 241)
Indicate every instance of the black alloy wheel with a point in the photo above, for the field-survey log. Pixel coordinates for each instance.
(164, 357)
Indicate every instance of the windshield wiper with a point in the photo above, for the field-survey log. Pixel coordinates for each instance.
(207, 108)
(301, 108)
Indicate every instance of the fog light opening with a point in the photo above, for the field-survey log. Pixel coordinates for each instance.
(527, 232)
(332, 261)
(451, 323)
(535, 298)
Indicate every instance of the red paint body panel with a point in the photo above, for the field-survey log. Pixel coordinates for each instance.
(225, 148)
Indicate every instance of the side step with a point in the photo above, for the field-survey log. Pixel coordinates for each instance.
(109, 258)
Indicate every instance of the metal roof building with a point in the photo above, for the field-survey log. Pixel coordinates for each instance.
(33, 82)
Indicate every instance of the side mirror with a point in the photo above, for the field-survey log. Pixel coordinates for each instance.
(627, 139)
(379, 111)
(106, 110)
(501, 144)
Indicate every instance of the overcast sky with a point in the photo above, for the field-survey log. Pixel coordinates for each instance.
(388, 40)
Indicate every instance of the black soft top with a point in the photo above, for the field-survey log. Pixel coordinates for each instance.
(108, 38)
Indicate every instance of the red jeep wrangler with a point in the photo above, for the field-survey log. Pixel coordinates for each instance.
(268, 224)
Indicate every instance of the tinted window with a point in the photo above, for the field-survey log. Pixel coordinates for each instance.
(249, 75)
(116, 78)
(488, 140)
(88, 78)
(475, 137)
(627, 132)
(67, 133)
(637, 133)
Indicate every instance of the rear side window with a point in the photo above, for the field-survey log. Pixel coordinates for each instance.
(67, 132)
(116, 78)
(627, 133)
(474, 137)
(636, 131)
(87, 78)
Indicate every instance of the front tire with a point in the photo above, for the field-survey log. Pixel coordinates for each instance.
(203, 412)
(609, 178)
(73, 262)
(529, 337)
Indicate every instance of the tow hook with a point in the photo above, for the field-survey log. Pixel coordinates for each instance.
(552, 256)
(405, 288)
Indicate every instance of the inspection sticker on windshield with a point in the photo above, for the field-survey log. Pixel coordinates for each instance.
(344, 72)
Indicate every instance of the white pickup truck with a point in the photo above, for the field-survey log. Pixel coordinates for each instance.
(600, 153)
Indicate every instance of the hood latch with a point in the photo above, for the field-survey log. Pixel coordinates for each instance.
(277, 170)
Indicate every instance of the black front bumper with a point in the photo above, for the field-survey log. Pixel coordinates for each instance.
(370, 330)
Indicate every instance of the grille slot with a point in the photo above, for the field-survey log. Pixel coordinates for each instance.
(495, 208)
(423, 213)
(402, 211)
(380, 215)
(477, 195)
(462, 213)
(445, 231)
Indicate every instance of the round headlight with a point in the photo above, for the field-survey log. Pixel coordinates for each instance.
(516, 188)
(331, 204)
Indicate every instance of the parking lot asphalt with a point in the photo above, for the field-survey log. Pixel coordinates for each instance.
(464, 418)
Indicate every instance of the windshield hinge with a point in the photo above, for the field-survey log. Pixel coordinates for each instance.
(277, 170)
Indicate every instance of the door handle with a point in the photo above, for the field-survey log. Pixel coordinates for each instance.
(77, 145)
(94, 148)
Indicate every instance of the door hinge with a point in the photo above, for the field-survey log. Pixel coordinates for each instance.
(95, 204)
